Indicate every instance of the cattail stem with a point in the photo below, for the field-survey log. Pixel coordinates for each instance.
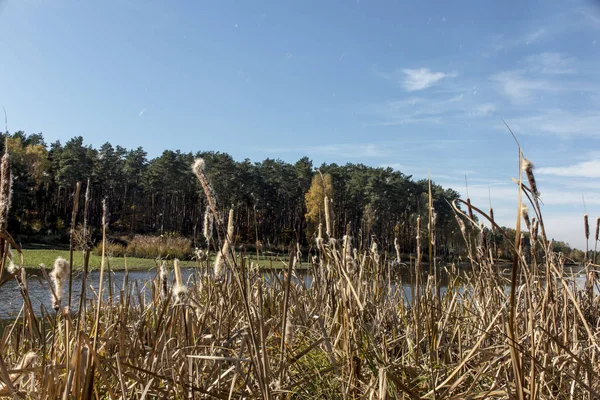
(327, 217)
(71, 238)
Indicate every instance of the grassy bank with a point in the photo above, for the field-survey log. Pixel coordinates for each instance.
(33, 258)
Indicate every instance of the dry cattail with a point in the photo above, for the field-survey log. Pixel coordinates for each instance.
(587, 226)
(433, 222)
(470, 209)
(198, 168)
(13, 268)
(319, 239)
(26, 362)
(534, 232)
(482, 246)
(327, 217)
(223, 256)
(298, 253)
(163, 280)
(58, 276)
(179, 293)
(525, 214)
(527, 167)
(397, 248)
(5, 191)
(461, 225)
(289, 331)
(179, 289)
(597, 227)
(207, 227)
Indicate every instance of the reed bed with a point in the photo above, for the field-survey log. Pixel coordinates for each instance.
(352, 333)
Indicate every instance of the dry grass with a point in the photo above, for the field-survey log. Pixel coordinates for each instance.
(352, 334)
(143, 246)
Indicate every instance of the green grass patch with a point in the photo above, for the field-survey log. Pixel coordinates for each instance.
(33, 258)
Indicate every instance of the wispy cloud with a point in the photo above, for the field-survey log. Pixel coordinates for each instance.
(518, 88)
(535, 35)
(484, 110)
(142, 112)
(586, 169)
(550, 63)
(422, 78)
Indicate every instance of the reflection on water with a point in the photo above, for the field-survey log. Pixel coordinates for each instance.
(11, 300)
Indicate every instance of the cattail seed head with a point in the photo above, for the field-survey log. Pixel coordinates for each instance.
(5, 191)
(470, 209)
(289, 331)
(199, 167)
(461, 225)
(179, 293)
(207, 227)
(163, 279)
(597, 227)
(587, 226)
(527, 167)
(13, 268)
(525, 214)
(58, 277)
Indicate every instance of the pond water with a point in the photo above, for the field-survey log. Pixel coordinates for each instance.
(11, 301)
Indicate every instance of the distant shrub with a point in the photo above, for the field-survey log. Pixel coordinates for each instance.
(157, 246)
(143, 246)
(112, 249)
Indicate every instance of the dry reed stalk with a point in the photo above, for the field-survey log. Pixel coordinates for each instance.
(327, 217)
(179, 289)
(5, 202)
(71, 236)
(222, 258)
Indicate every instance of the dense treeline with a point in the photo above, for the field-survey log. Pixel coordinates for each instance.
(161, 195)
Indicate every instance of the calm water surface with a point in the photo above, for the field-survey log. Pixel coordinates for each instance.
(11, 301)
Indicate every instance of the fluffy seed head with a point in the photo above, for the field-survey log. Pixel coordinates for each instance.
(527, 167)
(199, 165)
(163, 280)
(179, 293)
(525, 214)
(59, 276)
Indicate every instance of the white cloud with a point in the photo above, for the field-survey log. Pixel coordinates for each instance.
(535, 36)
(550, 63)
(484, 110)
(422, 78)
(517, 88)
(142, 112)
(586, 169)
(456, 98)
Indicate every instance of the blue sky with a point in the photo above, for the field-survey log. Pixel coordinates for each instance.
(414, 85)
